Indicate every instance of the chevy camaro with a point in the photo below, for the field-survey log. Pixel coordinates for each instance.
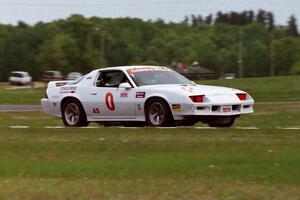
(143, 96)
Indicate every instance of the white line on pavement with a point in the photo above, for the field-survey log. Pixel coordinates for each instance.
(290, 128)
(247, 128)
(54, 127)
(205, 128)
(18, 126)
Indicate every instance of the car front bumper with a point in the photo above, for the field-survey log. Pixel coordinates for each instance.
(211, 109)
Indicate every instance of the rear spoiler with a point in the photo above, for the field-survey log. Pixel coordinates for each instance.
(57, 83)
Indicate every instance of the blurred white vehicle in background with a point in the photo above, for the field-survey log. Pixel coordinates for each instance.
(19, 78)
(52, 76)
(73, 75)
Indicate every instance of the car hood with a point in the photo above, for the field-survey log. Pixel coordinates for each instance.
(194, 89)
(212, 93)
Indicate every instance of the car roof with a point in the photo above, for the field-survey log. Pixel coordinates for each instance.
(20, 72)
(51, 71)
(130, 67)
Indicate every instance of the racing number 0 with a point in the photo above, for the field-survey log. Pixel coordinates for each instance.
(109, 101)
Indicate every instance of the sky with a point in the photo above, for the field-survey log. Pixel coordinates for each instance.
(33, 11)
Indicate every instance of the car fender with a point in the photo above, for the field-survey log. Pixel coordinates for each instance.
(162, 96)
(76, 97)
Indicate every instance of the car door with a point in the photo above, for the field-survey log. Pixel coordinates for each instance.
(109, 101)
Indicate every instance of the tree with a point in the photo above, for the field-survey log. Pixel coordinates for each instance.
(209, 19)
(270, 22)
(81, 44)
(261, 17)
(186, 19)
(59, 53)
(292, 29)
(287, 53)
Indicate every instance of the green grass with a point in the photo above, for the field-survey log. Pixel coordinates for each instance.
(149, 164)
(285, 88)
(21, 96)
(146, 163)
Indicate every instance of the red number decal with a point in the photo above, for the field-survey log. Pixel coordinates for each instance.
(109, 101)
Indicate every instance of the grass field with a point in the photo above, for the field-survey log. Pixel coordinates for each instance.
(284, 88)
(21, 96)
(43, 161)
(184, 163)
(111, 163)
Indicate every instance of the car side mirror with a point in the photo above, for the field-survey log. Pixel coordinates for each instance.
(125, 85)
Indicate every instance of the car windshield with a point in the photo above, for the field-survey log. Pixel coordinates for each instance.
(16, 74)
(153, 76)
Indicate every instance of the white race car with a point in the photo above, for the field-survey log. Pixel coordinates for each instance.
(143, 95)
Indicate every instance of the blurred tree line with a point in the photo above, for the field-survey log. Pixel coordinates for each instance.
(216, 42)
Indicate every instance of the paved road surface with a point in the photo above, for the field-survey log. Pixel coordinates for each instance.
(9, 108)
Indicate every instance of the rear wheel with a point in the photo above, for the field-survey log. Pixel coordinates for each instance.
(158, 113)
(223, 122)
(73, 114)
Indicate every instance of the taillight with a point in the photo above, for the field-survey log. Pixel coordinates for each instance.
(197, 99)
(46, 96)
(242, 96)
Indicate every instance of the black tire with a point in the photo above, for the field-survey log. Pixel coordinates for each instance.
(165, 117)
(227, 122)
(78, 111)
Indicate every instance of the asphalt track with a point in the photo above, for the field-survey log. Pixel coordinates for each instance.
(19, 108)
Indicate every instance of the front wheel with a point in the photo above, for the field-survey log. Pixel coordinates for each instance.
(73, 114)
(158, 113)
(223, 122)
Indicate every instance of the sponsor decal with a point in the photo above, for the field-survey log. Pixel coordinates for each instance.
(147, 69)
(68, 90)
(96, 111)
(54, 103)
(58, 84)
(226, 109)
(89, 77)
(176, 107)
(124, 94)
(186, 88)
(140, 94)
(139, 107)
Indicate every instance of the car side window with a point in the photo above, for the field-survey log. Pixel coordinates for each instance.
(111, 79)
